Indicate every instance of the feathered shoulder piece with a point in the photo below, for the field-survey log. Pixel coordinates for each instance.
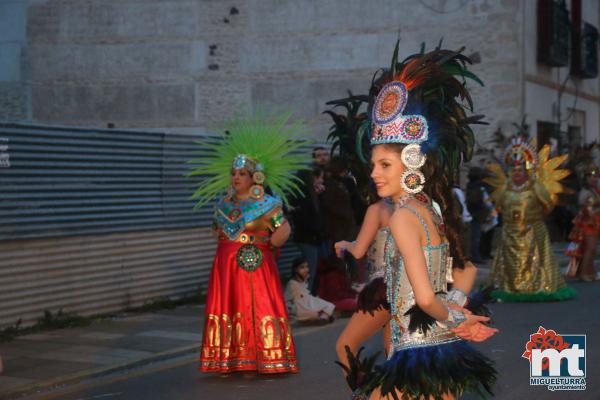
(270, 148)
(549, 174)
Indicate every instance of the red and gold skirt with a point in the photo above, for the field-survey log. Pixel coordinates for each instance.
(246, 324)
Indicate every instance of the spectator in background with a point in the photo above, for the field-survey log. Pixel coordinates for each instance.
(307, 218)
(320, 157)
(488, 226)
(340, 222)
(476, 205)
(466, 217)
(300, 303)
(586, 228)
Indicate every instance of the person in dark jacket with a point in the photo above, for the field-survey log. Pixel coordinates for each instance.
(307, 217)
(340, 222)
(476, 195)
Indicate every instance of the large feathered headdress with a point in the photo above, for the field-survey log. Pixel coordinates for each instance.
(433, 97)
(270, 148)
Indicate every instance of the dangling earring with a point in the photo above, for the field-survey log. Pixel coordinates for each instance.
(412, 180)
(257, 191)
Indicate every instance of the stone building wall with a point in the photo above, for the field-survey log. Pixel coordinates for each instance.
(186, 64)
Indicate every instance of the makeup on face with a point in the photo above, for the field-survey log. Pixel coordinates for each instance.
(241, 181)
(386, 171)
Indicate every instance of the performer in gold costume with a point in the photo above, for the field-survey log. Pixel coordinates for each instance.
(524, 267)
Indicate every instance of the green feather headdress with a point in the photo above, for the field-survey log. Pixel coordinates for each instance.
(274, 142)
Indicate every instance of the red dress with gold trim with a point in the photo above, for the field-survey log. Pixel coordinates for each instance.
(246, 324)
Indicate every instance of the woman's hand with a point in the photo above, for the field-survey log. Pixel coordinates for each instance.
(473, 328)
(341, 247)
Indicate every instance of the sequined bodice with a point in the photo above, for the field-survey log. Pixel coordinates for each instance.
(401, 296)
(376, 255)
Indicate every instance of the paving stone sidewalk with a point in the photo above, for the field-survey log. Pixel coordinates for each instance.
(123, 341)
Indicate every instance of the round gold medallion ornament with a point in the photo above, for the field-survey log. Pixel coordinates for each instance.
(257, 192)
(258, 177)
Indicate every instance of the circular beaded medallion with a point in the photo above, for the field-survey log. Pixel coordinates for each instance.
(412, 181)
(390, 102)
(249, 257)
(413, 129)
(257, 191)
(258, 177)
(412, 157)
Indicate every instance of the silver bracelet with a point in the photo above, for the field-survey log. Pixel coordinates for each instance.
(457, 297)
(455, 318)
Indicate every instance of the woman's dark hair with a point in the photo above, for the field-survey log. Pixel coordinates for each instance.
(297, 262)
(438, 186)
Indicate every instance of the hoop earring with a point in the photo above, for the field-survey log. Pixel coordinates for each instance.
(412, 180)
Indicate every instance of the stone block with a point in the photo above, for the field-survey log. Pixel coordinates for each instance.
(13, 19)
(10, 62)
(43, 22)
(221, 99)
(286, 95)
(140, 105)
(112, 19)
(305, 53)
(326, 16)
(13, 102)
(109, 61)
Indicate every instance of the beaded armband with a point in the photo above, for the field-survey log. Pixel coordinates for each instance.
(277, 219)
(455, 318)
(457, 297)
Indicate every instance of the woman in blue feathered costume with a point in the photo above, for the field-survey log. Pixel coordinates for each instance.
(419, 135)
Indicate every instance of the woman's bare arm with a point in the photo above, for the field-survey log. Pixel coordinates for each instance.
(367, 233)
(464, 279)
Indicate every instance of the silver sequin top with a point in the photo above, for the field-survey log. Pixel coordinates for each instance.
(401, 297)
(376, 255)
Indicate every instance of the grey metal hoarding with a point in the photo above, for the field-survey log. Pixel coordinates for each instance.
(96, 220)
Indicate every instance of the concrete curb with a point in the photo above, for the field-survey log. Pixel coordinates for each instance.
(96, 372)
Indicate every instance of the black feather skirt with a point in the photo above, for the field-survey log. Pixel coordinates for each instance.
(373, 297)
(453, 367)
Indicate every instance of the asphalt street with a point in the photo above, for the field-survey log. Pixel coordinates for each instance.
(320, 378)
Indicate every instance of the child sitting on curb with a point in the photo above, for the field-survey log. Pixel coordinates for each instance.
(300, 303)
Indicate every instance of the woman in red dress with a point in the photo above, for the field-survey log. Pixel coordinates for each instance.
(246, 325)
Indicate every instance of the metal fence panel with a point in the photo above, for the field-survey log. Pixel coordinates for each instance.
(95, 221)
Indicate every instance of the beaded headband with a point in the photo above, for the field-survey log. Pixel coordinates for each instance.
(253, 166)
(389, 124)
(243, 161)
